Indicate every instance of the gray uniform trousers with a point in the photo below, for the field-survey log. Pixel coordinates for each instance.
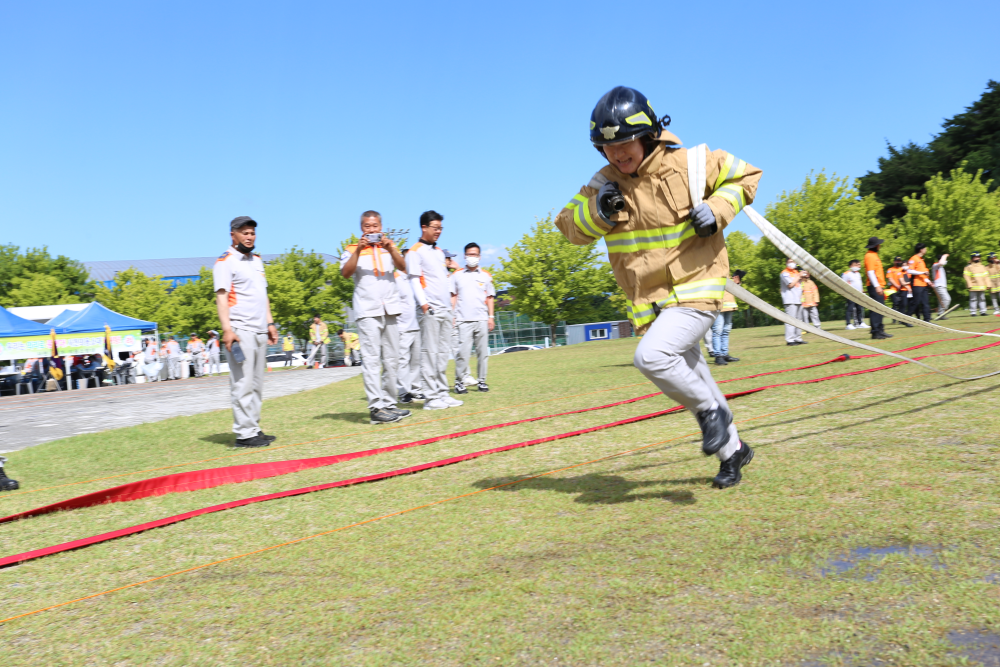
(792, 333)
(670, 356)
(435, 348)
(470, 333)
(977, 302)
(174, 368)
(198, 363)
(993, 297)
(810, 314)
(408, 376)
(246, 382)
(213, 362)
(944, 299)
(379, 338)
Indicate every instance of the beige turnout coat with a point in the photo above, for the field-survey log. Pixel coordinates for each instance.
(656, 256)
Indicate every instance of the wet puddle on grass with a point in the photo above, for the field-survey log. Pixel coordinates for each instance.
(856, 556)
(979, 646)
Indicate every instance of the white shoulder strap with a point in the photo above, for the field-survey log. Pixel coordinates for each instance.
(697, 172)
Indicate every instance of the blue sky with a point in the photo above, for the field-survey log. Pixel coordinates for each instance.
(138, 130)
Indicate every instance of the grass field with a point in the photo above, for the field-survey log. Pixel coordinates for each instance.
(864, 532)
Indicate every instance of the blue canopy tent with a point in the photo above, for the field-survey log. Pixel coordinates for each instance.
(93, 318)
(12, 325)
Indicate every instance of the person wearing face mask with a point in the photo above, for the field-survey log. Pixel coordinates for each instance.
(940, 279)
(245, 313)
(810, 299)
(791, 298)
(897, 287)
(855, 313)
(993, 266)
(977, 279)
(666, 252)
(472, 295)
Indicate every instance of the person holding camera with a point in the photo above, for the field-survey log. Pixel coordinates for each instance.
(427, 267)
(370, 262)
(247, 328)
(667, 253)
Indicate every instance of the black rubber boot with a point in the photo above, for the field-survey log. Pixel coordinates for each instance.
(6, 483)
(714, 429)
(730, 470)
(721, 361)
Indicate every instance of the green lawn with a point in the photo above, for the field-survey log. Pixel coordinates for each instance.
(628, 560)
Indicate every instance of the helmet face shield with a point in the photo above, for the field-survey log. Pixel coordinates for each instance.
(622, 114)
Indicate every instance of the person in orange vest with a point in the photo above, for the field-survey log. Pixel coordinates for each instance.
(993, 266)
(898, 286)
(920, 277)
(977, 279)
(810, 299)
(875, 284)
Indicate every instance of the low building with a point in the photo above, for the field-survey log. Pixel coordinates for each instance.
(582, 333)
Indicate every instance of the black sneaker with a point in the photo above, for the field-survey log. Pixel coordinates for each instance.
(269, 438)
(383, 416)
(731, 359)
(255, 441)
(403, 414)
(460, 388)
(906, 324)
(6, 483)
(714, 429)
(879, 336)
(406, 398)
(730, 470)
(482, 386)
(721, 361)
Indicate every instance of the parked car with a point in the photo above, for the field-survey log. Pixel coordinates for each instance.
(520, 348)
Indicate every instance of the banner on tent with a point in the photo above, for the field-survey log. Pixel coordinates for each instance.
(25, 347)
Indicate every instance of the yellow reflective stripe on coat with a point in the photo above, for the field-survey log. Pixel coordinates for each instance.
(647, 239)
(732, 169)
(701, 290)
(583, 222)
(733, 194)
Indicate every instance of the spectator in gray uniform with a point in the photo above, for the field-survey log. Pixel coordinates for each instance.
(791, 297)
(173, 359)
(472, 295)
(408, 376)
(376, 305)
(940, 281)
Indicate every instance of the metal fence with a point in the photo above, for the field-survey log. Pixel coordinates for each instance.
(516, 329)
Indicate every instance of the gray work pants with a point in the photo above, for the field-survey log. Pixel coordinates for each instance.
(944, 299)
(198, 363)
(470, 333)
(977, 302)
(408, 375)
(174, 368)
(709, 343)
(810, 315)
(321, 348)
(246, 382)
(792, 333)
(670, 357)
(993, 297)
(435, 348)
(379, 338)
(213, 362)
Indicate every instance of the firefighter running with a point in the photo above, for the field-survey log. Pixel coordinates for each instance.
(668, 256)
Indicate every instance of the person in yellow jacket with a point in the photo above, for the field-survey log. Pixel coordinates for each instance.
(352, 347)
(288, 346)
(667, 252)
(724, 324)
(993, 266)
(977, 279)
(319, 338)
(810, 299)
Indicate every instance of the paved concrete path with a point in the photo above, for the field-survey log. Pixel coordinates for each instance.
(31, 420)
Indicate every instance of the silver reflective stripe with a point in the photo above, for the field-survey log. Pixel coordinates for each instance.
(697, 173)
(597, 181)
(636, 237)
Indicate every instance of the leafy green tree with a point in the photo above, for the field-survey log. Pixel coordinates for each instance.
(827, 218)
(957, 215)
(192, 306)
(971, 137)
(551, 280)
(301, 284)
(744, 255)
(39, 289)
(137, 295)
(71, 274)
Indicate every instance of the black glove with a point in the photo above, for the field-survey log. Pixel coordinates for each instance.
(609, 199)
(704, 220)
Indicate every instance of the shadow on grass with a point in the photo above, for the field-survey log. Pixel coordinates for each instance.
(599, 489)
(220, 438)
(351, 417)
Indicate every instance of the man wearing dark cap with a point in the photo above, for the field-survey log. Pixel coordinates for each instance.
(247, 328)
(875, 282)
